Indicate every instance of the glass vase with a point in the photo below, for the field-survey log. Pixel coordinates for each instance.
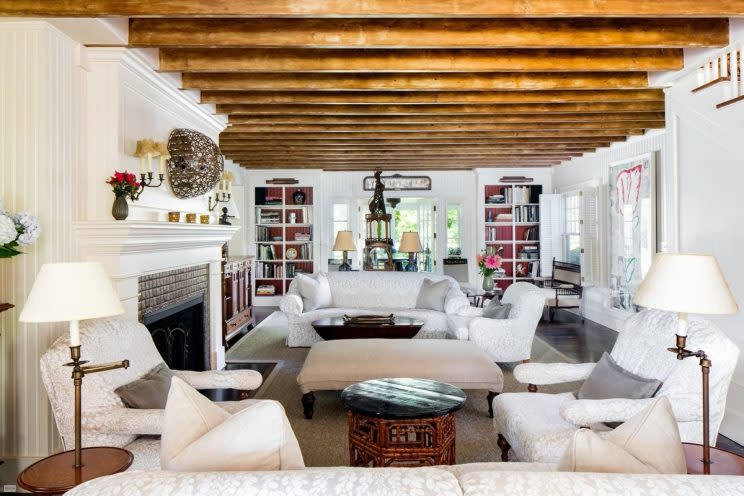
(488, 284)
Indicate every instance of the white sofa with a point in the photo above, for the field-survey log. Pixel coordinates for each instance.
(476, 479)
(357, 293)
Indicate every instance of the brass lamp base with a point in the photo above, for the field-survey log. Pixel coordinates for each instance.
(79, 370)
(705, 364)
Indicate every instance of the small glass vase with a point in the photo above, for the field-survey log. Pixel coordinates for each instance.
(488, 284)
(120, 209)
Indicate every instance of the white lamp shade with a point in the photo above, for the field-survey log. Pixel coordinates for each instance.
(71, 291)
(686, 283)
(344, 241)
(410, 243)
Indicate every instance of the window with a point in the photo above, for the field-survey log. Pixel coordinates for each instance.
(572, 228)
(340, 218)
(454, 248)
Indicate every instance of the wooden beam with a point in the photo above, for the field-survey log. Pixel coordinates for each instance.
(234, 148)
(397, 140)
(594, 134)
(423, 109)
(384, 154)
(444, 118)
(415, 97)
(415, 81)
(415, 128)
(378, 8)
(443, 60)
(430, 33)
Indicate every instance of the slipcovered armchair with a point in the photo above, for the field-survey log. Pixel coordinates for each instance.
(505, 340)
(105, 419)
(538, 426)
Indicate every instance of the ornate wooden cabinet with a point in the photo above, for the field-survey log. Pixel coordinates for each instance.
(237, 297)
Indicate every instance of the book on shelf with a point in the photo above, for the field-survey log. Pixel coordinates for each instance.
(302, 237)
(531, 234)
(266, 290)
(526, 213)
(266, 252)
(504, 217)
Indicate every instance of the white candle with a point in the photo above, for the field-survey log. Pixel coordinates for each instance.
(229, 186)
(149, 162)
(142, 165)
(162, 164)
(74, 333)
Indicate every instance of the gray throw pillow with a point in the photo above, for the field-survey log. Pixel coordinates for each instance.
(610, 380)
(149, 391)
(496, 310)
(432, 295)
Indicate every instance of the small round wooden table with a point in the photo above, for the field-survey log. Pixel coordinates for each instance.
(723, 462)
(402, 422)
(57, 474)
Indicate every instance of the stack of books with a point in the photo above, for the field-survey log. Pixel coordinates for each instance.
(265, 290)
(302, 237)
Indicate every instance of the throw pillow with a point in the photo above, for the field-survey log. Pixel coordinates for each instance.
(432, 295)
(496, 310)
(149, 391)
(610, 380)
(647, 443)
(315, 291)
(199, 436)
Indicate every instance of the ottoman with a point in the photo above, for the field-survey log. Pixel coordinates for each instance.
(334, 365)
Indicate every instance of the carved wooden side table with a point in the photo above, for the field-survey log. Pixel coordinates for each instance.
(402, 422)
(724, 462)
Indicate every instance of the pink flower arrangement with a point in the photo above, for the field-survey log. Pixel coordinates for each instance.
(488, 263)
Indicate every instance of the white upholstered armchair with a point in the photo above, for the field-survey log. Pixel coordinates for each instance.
(505, 340)
(539, 426)
(105, 420)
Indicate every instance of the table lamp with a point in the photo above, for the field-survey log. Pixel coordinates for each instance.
(410, 243)
(345, 243)
(71, 292)
(686, 283)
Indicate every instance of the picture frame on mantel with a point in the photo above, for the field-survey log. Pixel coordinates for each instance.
(632, 226)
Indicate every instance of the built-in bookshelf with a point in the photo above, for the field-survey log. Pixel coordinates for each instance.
(512, 230)
(284, 237)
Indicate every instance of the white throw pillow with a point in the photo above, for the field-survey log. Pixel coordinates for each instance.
(315, 291)
(647, 443)
(432, 295)
(199, 436)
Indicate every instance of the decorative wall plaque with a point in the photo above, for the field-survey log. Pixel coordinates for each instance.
(396, 182)
(195, 165)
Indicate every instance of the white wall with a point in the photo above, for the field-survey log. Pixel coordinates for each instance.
(70, 116)
(592, 170)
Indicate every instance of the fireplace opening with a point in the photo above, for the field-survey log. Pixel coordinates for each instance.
(179, 334)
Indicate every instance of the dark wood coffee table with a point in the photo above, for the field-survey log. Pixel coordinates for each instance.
(335, 328)
(402, 422)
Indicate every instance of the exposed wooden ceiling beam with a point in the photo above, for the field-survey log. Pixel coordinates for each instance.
(444, 118)
(333, 155)
(233, 148)
(440, 60)
(415, 128)
(422, 109)
(415, 81)
(378, 8)
(458, 140)
(532, 133)
(430, 33)
(429, 97)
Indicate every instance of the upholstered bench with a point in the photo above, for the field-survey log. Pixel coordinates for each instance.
(333, 365)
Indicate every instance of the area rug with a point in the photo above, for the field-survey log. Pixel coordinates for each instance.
(323, 439)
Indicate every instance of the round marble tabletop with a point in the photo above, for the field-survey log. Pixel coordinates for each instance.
(402, 398)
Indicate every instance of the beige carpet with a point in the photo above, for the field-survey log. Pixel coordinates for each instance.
(324, 438)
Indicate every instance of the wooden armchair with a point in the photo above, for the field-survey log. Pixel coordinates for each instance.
(563, 289)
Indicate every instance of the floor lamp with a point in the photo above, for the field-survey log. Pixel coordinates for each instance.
(685, 284)
(70, 292)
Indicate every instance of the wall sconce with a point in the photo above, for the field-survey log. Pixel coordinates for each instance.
(223, 190)
(147, 149)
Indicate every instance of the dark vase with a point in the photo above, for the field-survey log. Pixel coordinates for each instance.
(299, 197)
(120, 209)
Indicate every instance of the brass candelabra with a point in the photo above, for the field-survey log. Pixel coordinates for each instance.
(146, 181)
(224, 198)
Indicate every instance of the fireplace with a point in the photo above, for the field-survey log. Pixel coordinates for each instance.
(174, 307)
(178, 333)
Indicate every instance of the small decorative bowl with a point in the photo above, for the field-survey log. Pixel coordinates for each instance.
(174, 216)
(204, 219)
(190, 218)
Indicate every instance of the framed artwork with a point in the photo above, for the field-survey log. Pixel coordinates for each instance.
(632, 241)
(396, 182)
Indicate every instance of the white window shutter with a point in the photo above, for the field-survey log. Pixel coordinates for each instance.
(590, 236)
(551, 232)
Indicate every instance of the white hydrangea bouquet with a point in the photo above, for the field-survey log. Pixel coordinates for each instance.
(20, 229)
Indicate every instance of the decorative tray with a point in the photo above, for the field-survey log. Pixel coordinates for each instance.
(369, 319)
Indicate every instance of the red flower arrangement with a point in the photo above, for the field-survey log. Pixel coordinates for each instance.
(124, 184)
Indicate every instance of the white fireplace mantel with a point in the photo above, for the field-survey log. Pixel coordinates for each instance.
(130, 249)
